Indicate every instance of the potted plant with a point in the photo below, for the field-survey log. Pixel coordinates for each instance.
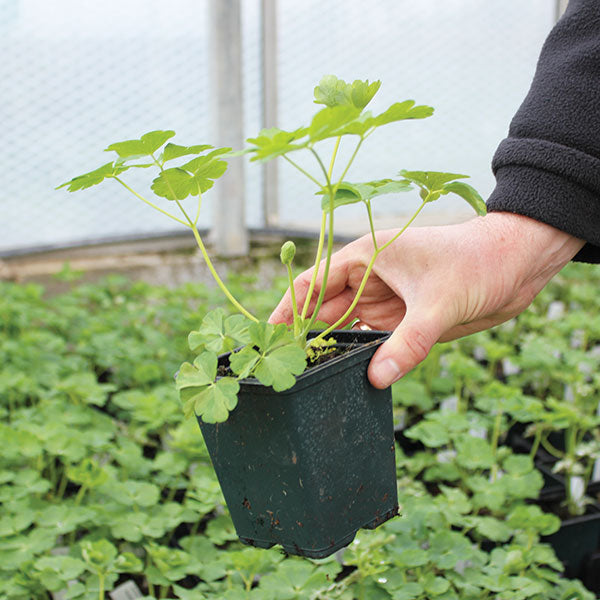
(302, 444)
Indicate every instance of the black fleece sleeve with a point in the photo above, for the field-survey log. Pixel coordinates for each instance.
(549, 166)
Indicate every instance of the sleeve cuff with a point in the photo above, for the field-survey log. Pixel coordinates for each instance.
(551, 198)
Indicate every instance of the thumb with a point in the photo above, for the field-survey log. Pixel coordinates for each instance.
(408, 345)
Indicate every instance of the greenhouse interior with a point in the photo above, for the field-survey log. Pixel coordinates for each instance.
(308, 309)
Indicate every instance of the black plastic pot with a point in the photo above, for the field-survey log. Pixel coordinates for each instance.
(577, 542)
(307, 467)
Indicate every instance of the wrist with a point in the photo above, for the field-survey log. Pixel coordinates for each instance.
(539, 249)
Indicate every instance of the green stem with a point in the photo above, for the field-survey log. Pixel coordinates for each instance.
(551, 449)
(151, 589)
(80, 495)
(406, 226)
(313, 280)
(212, 269)
(371, 225)
(327, 178)
(328, 174)
(321, 296)
(363, 282)
(303, 171)
(100, 587)
(60, 492)
(536, 444)
(359, 292)
(494, 444)
(362, 139)
(334, 155)
(293, 295)
(164, 212)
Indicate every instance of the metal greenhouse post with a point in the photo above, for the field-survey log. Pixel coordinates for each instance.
(229, 234)
(269, 115)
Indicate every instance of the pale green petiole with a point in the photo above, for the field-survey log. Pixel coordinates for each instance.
(164, 212)
(293, 297)
(368, 270)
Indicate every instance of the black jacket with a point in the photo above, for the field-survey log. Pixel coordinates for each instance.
(549, 166)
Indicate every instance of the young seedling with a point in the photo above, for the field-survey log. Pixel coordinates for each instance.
(274, 354)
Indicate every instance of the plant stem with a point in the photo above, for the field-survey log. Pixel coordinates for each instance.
(303, 171)
(329, 236)
(212, 269)
(536, 444)
(371, 225)
(100, 587)
(361, 287)
(60, 492)
(313, 279)
(494, 444)
(80, 495)
(293, 295)
(164, 212)
(362, 139)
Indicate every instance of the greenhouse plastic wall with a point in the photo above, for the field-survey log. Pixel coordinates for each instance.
(78, 76)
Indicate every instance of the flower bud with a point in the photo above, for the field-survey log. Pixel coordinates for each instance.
(288, 251)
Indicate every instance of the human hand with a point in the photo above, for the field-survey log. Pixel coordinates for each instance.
(437, 283)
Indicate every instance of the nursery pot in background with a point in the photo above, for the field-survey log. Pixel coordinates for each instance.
(577, 542)
(307, 467)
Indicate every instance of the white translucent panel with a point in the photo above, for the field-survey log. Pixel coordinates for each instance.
(78, 75)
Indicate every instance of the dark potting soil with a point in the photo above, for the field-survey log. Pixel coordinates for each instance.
(332, 352)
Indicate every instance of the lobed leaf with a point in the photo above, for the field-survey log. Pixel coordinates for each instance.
(468, 193)
(332, 91)
(330, 122)
(401, 111)
(203, 372)
(82, 182)
(214, 402)
(350, 193)
(274, 142)
(172, 151)
(219, 333)
(146, 145)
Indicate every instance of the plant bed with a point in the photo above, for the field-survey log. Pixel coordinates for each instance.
(307, 467)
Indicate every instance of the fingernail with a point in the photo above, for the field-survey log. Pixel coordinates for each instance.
(387, 372)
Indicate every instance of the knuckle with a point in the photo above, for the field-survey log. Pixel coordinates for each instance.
(417, 343)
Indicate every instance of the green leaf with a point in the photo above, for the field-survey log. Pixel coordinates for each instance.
(88, 473)
(202, 373)
(474, 453)
(219, 333)
(274, 142)
(492, 529)
(212, 403)
(172, 151)
(98, 554)
(146, 145)
(401, 111)
(431, 434)
(346, 193)
(332, 91)
(280, 356)
(329, 122)
(176, 184)
(278, 367)
(434, 585)
(243, 361)
(468, 193)
(350, 193)
(134, 493)
(82, 182)
(431, 180)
